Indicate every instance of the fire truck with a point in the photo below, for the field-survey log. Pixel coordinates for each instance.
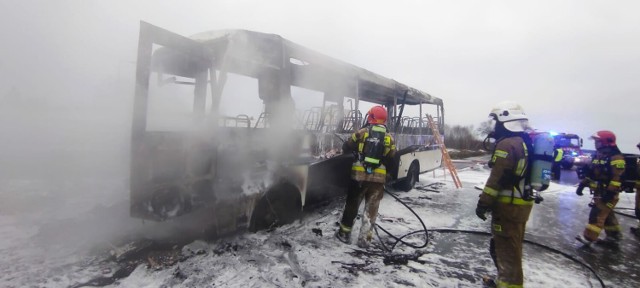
(571, 145)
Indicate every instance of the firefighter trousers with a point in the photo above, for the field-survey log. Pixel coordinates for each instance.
(508, 223)
(372, 194)
(602, 217)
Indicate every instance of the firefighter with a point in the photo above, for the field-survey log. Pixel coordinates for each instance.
(636, 230)
(603, 178)
(504, 194)
(374, 149)
(557, 168)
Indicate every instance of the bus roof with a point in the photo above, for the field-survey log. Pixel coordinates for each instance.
(255, 54)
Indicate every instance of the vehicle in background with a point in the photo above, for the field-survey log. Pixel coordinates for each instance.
(571, 145)
(221, 139)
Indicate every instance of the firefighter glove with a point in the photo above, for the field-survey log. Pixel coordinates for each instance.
(481, 211)
(579, 190)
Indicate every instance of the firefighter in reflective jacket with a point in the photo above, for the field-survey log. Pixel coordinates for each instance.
(603, 178)
(556, 168)
(375, 150)
(504, 193)
(636, 230)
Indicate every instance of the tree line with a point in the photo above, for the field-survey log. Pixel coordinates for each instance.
(466, 141)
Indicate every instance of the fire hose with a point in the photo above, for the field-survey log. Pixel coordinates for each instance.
(399, 239)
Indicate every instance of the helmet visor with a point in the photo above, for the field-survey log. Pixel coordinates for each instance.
(517, 125)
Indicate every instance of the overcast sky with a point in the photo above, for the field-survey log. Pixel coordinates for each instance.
(573, 65)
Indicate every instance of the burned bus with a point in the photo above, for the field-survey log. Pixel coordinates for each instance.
(244, 129)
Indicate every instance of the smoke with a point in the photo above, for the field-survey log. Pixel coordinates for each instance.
(64, 169)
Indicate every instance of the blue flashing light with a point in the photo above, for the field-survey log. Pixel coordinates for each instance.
(553, 133)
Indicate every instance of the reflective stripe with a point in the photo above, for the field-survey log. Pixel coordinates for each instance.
(610, 205)
(618, 163)
(508, 193)
(490, 191)
(361, 143)
(516, 201)
(360, 168)
(501, 153)
(615, 183)
(613, 228)
(380, 171)
(354, 137)
(378, 129)
(502, 284)
(594, 228)
(387, 140)
(345, 228)
(522, 164)
(497, 227)
(371, 160)
(520, 168)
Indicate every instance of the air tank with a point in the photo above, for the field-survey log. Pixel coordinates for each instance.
(542, 161)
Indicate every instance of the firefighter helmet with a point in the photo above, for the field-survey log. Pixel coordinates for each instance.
(604, 138)
(511, 115)
(377, 115)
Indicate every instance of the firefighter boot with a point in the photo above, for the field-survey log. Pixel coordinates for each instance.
(489, 282)
(344, 234)
(583, 240)
(613, 239)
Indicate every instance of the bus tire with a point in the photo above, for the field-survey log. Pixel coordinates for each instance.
(409, 182)
(279, 206)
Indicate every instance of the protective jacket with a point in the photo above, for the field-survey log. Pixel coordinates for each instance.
(503, 195)
(356, 143)
(506, 181)
(605, 172)
(604, 179)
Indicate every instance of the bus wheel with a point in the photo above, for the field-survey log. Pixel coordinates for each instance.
(412, 177)
(280, 206)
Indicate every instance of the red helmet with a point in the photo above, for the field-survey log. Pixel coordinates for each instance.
(377, 115)
(604, 138)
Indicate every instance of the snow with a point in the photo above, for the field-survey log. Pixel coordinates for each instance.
(290, 256)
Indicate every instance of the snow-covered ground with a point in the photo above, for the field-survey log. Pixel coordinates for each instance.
(53, 236)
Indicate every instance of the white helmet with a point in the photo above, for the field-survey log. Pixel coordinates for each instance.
(511, 115)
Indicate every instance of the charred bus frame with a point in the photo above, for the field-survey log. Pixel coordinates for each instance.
(221, 169)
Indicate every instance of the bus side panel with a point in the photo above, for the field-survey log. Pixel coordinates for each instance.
(429, 159)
